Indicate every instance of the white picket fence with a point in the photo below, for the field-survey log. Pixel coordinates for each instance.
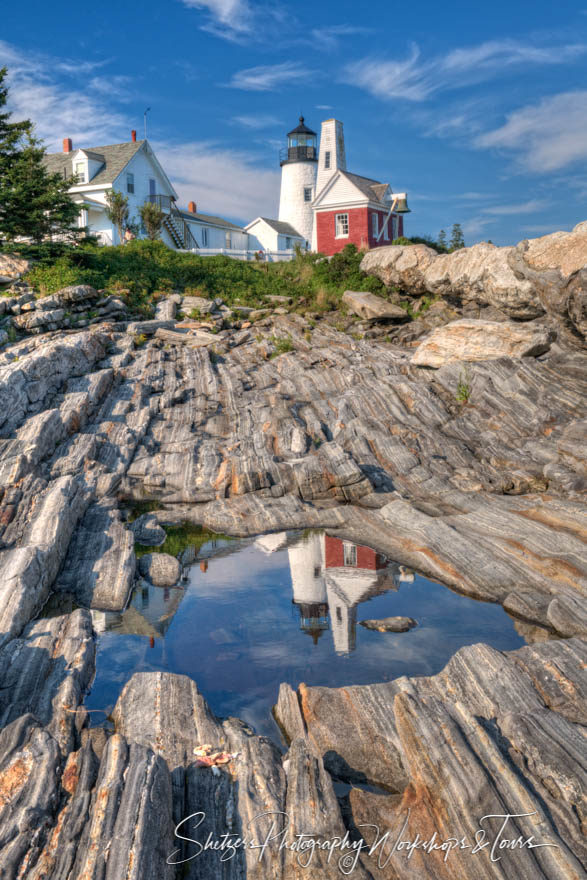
(268, 256)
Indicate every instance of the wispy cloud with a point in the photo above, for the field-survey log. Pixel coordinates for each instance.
(416, 79)
(205, 172)
(328, 37)
(545, 136)
(324, 107)
(258, 121)
(230, 19)
(268, 78)
(60, 108)
(473, 229)
(528, 207)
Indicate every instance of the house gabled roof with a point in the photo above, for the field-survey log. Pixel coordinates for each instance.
(91, 154)
(115, 157)
(210, 220)
(371, 189)
(279, 226)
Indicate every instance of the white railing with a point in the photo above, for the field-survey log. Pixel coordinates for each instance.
(246, 254)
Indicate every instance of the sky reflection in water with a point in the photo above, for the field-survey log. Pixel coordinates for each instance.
(286, 608)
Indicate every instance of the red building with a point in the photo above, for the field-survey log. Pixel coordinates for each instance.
(354, 209)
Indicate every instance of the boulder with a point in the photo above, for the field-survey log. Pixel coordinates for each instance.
(149, 328)
(162, 569)
(147, 531)
(31, 321)
(390, 624)
(372, 307)
(470, 340)
(12, 267)
(204, 306)
(400, 265)
(75, 293)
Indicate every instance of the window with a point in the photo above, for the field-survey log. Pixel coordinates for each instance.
(288, 243)
(341, 226)
(350, 553)
(317, 571)
(130, 183)
(327, 159)
(204, 238)
(386, 231)
(152, 187)
(375, 224)
(80, 171)
(228, 240)
(307, 193)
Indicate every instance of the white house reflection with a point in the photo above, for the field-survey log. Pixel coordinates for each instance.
(330, 578)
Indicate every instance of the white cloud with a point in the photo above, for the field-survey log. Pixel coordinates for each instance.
(415, 79)
(329, 37)
(231, 19)
(220, 181)
(523, 208)
(473, 229)
(545, 136)
(61, 110)
(268, 78)
(257, 121)
(324, 107)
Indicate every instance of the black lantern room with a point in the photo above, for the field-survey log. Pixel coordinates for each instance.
(301, 145)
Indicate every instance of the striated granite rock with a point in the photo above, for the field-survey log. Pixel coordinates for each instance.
(390, 624)
(470, 340)
(338, 433)
(537, 276)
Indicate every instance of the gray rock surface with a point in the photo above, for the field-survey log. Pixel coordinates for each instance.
(390, 624)
(161, 569)
(147, 531)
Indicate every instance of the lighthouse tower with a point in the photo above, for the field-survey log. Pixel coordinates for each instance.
(299, 163)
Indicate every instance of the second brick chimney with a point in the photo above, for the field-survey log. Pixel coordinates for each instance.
(133, 136)
(192, 207)
(67, 145)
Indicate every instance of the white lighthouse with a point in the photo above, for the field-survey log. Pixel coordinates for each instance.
(299, 163)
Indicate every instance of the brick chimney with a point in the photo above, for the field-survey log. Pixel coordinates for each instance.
(67, 145)
(192, 207)
(133, 136)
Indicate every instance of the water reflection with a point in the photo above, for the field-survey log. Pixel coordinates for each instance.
(330, 579)
(284, 607)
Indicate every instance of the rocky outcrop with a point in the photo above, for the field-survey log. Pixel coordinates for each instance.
(338, 432)
(369, 306)
(468, 340)
(492, 734)
(540, 276)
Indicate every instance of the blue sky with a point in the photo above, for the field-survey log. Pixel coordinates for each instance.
(479, 111)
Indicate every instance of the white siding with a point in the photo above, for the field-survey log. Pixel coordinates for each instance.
(331, 141)
(293, 209)
(217, 236)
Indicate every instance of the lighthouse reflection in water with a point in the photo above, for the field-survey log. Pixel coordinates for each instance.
(331, 578)
(250, 614)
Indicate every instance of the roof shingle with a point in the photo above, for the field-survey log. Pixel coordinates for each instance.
(114, 156)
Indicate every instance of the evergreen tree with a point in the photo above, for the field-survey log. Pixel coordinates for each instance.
(34, 204)
(151, 220)
(117, 211)
(457, 240)
(442, 238)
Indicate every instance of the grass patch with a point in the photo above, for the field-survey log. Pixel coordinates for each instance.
(141, 271)
(282, 345)
(179, 538)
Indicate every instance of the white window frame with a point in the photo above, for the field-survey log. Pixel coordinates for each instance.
(288, 244)
(386, 229)
(340, 222)
(81, 175)
(228, 240)
(130, 182)
(307, 193)
(327, 159)
(375, 224)
(349, 553)
(204, 237)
